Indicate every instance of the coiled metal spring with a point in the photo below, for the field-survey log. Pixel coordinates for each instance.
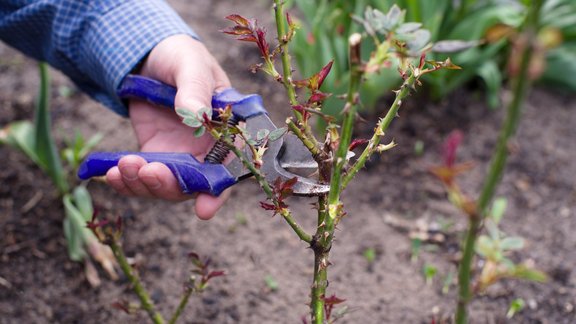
(220, 149)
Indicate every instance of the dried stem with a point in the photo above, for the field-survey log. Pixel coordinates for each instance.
(521, 85)
(381, 128)
(146, 302)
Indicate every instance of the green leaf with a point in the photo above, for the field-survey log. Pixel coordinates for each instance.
(492, 77)
(492, 229)
(44, 142)
(198, 132)
(498, 208)
(512, 243)
(453, 46)
(90, 144)
(83, 202)
(395, 16)
(74, 229)
(516, 306)
(430, 272)
(561, 67)
(192, 122)
(20, 135)
(523, 272)
(370, 255)
(262, 134)
(185, 113)
(277, 134)
(408, 27)
(271, 283)
(419, 39)
(485, 246)
(76, 251)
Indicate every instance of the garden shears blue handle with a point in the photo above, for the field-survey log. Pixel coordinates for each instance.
(213, 178)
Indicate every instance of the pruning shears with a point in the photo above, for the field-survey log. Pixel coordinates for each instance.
(211, 176)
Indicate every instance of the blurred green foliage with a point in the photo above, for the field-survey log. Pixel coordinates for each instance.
(327, 24)
(36, 141)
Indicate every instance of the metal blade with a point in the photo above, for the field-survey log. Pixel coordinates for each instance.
(295, 155)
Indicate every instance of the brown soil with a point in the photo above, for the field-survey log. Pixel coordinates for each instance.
(38, 283)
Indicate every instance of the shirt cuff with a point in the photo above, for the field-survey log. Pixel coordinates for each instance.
(118, 40)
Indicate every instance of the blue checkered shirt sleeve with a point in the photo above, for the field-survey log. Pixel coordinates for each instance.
(95, 42)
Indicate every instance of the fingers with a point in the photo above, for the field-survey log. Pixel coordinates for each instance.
(207, 205)
(135, 177)
(198, 82)
(124, 178)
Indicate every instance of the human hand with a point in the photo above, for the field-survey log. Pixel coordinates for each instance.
(185, 63)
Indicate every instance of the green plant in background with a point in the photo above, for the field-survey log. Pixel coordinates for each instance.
(327, 25)
(429, 271)
(37, 142)
(525, 65)
(516, 306)
(495, 247)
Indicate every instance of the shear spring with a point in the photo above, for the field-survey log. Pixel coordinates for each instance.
(220, 149)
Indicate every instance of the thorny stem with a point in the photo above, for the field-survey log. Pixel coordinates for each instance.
(346, 132)
(287, 77)
(381, 128)
(521, 84)
(329, 210)
(181, 305)
(311, 146)
(145, 300)
(286, 65)
(320, 282)
(285, 212)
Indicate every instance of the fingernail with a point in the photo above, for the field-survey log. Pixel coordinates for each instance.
(130, 172)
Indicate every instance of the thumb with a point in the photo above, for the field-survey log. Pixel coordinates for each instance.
(196, 88)
(194, 93)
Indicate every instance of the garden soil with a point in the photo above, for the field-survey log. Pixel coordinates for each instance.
(268, 270)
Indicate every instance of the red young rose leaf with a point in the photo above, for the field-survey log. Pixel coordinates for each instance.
(267, 206)
(357, 142)
(302, 110)
(317, 97)
(450, 147)
(247, 30)
(314, 82)
(329, 303)
(239, 20)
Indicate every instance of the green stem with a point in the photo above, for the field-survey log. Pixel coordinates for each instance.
(181, 305)
(310, 145)
(346, 132)
(286, 65)
(286, 214)
(497, 166)
(381, 128)
(319, 286)
(297, 228)
(329, 206)
(287, 77)
(140, 291)
(320, 281)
